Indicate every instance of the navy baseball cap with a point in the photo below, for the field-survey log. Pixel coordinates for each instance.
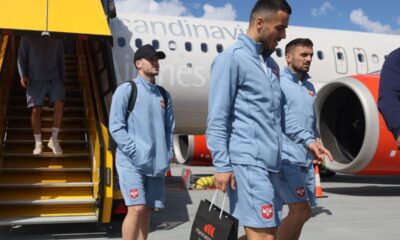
(147, 51)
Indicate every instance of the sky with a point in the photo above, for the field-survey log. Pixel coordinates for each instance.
(355, 15)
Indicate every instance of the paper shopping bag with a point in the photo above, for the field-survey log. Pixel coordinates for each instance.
(211, 222)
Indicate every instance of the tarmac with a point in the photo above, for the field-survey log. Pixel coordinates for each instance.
(353, 208)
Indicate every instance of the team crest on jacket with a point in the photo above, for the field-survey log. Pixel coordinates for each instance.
(312, 94)
(134, 193)
(162, 104)
(300, 191)
(267, 211)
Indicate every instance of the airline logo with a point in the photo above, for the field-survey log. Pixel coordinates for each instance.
(209, 230)
(312, 94)
(162, 104)
(267, 211)
(134, 193)
(300, 191)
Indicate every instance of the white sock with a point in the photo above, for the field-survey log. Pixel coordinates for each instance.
(54, 133)
(38, 137)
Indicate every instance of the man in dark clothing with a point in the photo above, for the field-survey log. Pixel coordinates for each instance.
(41, 67)
(389, 93)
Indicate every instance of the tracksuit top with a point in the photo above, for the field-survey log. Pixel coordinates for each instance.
(146, 137)
(41, 59)
(389, 92)
(298, 97)
(244, 109)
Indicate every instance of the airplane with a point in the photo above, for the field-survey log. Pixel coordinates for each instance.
(81, 185)
(348, 120)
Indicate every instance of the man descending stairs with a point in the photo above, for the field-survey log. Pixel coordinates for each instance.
(47, 187)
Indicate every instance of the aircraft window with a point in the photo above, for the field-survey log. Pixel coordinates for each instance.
(360, 57)
(155, 44)
(375, 58)
(204, 47)
(320, 55)
(172, 45)
(340, 56)
(220, 48)
(121, 42)
(138, 42)
(188, 46)
(279, 52)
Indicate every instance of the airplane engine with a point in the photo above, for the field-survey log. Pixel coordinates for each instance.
(192, 150)
(352, 128)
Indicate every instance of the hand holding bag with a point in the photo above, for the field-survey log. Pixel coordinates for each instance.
(211, 222)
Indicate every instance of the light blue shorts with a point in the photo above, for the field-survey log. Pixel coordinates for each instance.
(254, 200)
(138, 189)
(296, 184)
(37, 91)
(310, 182)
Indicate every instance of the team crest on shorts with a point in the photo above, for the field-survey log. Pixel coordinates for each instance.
(162, 104)
(300, 191)
(134, 193)
(267, 211)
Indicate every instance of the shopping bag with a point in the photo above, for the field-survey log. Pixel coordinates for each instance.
(211, 222)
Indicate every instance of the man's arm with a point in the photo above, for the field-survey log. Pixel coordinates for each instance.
(169, 127)
(300, 135)
(117, 122)
(389, 93)
(224, 75)
(22, 62)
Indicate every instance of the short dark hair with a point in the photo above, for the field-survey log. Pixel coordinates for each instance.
(298, 42)
(270, 6)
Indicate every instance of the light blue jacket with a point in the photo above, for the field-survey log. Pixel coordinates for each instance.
(244, 109)
(146, 137)
(299, 97)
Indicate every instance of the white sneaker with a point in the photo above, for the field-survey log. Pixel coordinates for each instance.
(55, 146)
(38, 148)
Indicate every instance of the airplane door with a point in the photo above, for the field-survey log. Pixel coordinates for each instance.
(340, 60)
(361, 60)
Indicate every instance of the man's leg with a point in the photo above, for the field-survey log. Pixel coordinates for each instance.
(254, 202)
(36, 126)
(292, 224)
(58, 113)
(36, 120)
(136, 223)
(144, 228)
(57, 119)
(292, 189)
(260, 233)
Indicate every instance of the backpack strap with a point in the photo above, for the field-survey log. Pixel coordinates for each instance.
(132, 99)
(163, 94)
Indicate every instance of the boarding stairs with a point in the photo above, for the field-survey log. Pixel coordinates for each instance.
(47, 188)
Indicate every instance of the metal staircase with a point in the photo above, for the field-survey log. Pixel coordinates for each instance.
(47, 188)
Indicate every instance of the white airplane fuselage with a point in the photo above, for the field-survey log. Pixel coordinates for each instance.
(186, 70)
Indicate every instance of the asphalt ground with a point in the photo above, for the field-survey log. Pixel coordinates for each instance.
(353, 207)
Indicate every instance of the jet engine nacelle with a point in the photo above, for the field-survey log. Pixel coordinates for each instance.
(192, 150)
(352, 128)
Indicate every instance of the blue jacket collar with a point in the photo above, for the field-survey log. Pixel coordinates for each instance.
(293, 77)
(148, 85)
(254, 47)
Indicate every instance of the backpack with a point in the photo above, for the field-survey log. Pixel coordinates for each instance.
(131, 104)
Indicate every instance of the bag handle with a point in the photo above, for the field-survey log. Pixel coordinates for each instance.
(213, 200)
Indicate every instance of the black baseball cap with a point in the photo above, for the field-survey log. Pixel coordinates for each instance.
(147, 51)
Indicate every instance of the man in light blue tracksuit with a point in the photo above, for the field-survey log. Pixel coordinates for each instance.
(144, 139)
(244, 130)
(297, 183)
